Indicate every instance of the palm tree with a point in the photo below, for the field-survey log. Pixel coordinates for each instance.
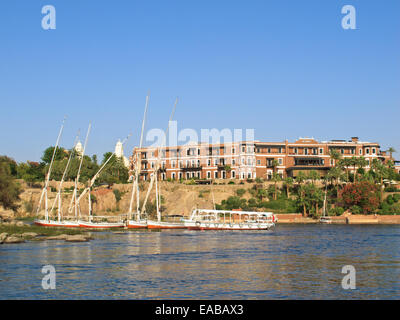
(345, 163)
(300, 178)
(275, 164)
(276, 178)
(288, 183)
(391, 150)
(313, 175)
(380, 173)
(335, 155)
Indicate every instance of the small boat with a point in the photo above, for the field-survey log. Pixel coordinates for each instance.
(204, 219)
(324, 218)
(160, 223)
(133, 224)
(135, 220)
(101, 225)
(43, 197)
(177, 224)
(55, 223)
(94, 224)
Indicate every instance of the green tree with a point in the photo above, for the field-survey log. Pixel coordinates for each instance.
(276, 178)
(391, 150)
(48, 154)
(313, 175)
(335, 155)
(10, 163)
(363, 194)
(9, 188)
(288, 182)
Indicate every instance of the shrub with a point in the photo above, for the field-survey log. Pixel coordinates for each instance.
(231, 182)
(259, 180)
(363, 194)
(391, 189)
(389, 199)
(396, 197)
(355, 210)
(28, 206)
(252, 202)
(240, 192)
(337, 211)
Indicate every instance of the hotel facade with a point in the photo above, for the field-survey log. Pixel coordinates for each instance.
(250, 159)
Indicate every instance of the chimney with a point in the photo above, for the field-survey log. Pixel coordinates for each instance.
(354, 139)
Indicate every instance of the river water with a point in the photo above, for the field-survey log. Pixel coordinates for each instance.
(288, 262)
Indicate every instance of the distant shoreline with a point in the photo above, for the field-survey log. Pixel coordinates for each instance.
(297, 218)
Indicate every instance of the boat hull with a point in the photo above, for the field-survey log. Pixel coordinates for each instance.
(52, 223)
(165, 225)
(228, 226)
(132, 224)
(101, 225)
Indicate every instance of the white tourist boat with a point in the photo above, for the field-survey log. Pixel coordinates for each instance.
(210, 219)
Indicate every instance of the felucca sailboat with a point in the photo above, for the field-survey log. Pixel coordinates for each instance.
(43, 197)
(98, 224)
(135, 221)
(159, 224)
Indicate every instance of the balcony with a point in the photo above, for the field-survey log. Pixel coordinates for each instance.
(309, 162)
(191, 168)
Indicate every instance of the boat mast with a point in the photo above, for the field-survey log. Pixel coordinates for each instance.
(74, 199)
(44, 191)
(87, 189)
(158, 163)
(58, 196)
(324, 209)
(135, 186)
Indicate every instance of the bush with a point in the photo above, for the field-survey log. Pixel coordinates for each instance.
(231, 182)
(391, 189)
(280, 205)
(249, 180)
(240, 192)
(356, 210)
(252, 202)
(389, 199)
(337, 211)
(28, 206)
(259, 180)
(396, 197)
(362, 194)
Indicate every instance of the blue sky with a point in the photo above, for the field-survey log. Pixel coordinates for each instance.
(285, 68)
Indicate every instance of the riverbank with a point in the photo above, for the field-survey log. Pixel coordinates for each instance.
(19, 232)
(344, 219)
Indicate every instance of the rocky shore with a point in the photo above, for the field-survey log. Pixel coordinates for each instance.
(13, 231)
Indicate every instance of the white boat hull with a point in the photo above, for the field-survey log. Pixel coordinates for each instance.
(101, 225)
(55, 223)
(197, 225)
(165, 225)
(133, 224)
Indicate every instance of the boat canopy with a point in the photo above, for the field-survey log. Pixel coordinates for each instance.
(211, 211)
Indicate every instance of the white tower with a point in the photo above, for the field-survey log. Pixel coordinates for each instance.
(79, 148)
(119, 153)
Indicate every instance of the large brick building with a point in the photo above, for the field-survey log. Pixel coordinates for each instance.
(251, 159)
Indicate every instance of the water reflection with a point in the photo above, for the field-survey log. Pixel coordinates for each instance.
(297, 262)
